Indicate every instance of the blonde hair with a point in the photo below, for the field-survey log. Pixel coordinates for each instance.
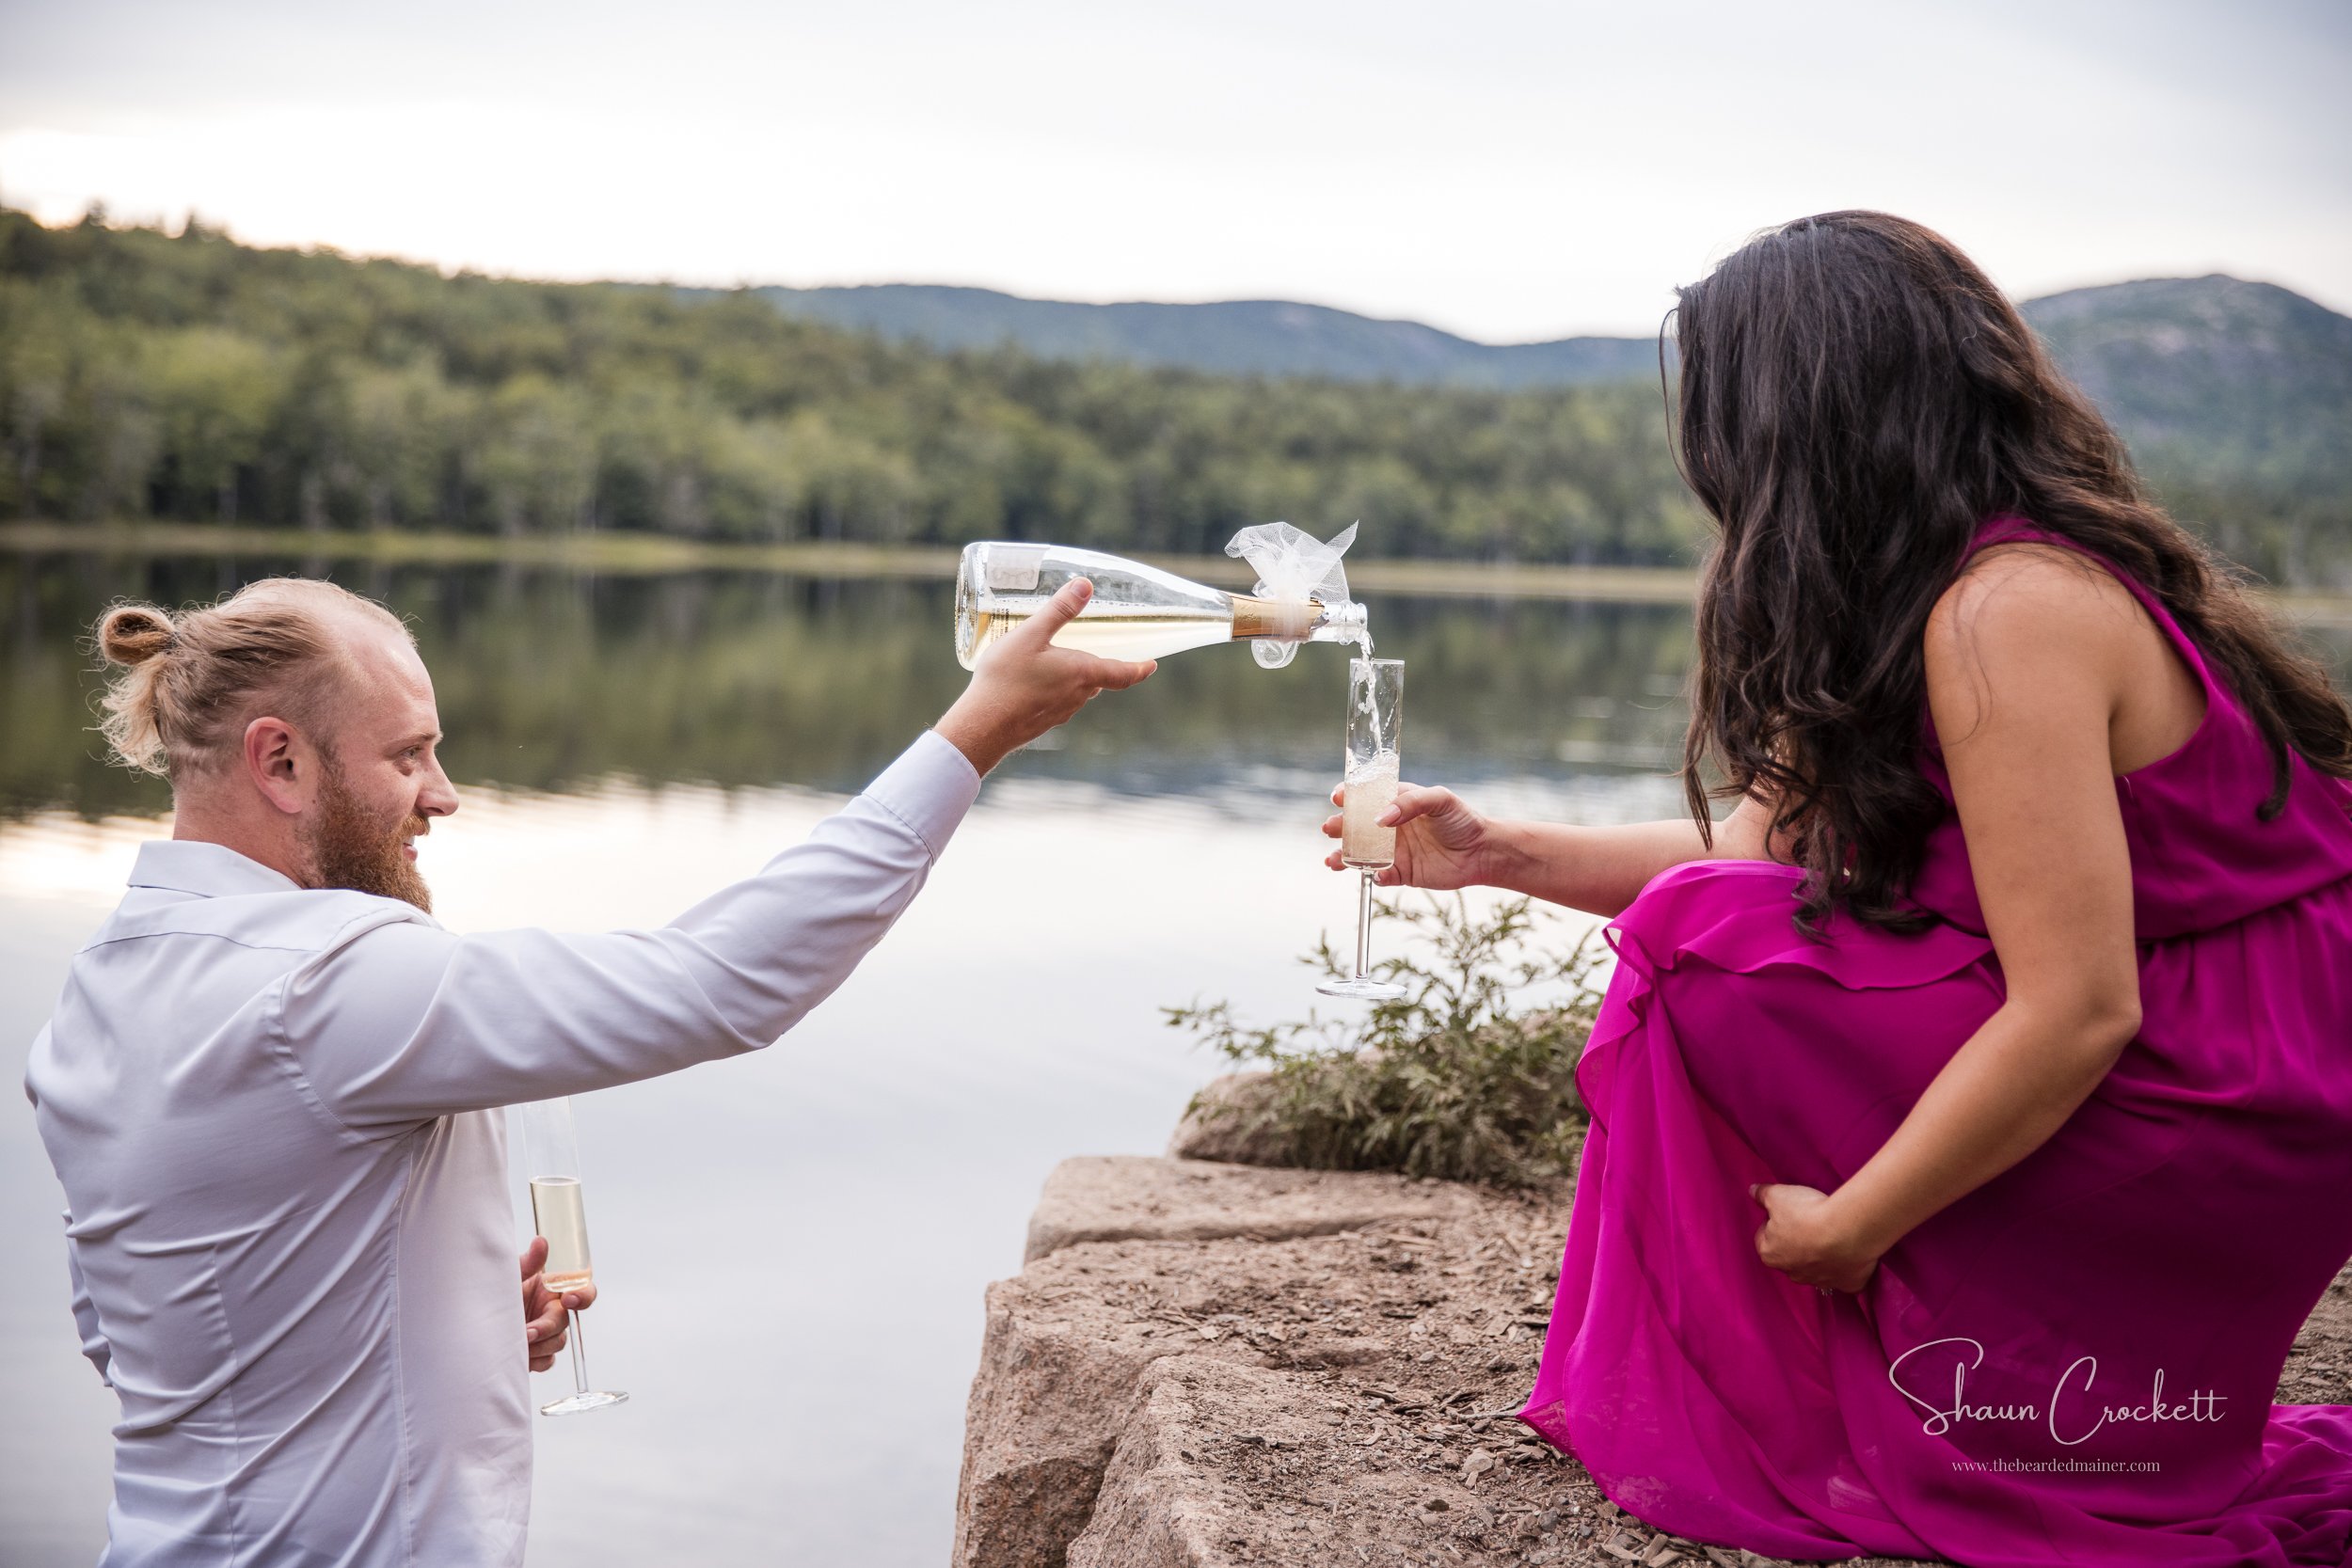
(191, 682)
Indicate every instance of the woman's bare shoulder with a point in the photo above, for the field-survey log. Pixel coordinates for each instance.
(2031, 618)
(2038, 601)
(2017, 583)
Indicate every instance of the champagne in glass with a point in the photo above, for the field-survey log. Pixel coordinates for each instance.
(1371, 790)
(561, 1215)
(559, 1212)
(1375, 715)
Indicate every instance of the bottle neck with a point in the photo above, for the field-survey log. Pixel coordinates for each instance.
(1297, 621)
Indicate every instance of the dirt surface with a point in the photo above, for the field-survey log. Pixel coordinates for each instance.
(2319, 1368)
(1287, 1392)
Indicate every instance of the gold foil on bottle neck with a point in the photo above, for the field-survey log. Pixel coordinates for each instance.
(1256, 617)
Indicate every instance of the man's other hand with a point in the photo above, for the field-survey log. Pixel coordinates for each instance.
(1025, 686)
(546, 1315)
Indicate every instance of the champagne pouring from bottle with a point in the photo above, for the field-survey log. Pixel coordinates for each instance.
(559, 1213)
(1140, 611)
(1375, 716)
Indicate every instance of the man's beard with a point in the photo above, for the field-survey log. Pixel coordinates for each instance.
(351, 848)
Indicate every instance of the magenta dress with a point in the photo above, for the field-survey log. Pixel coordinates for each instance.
(2073, 1364)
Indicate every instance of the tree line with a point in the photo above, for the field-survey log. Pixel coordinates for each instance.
(146, 374)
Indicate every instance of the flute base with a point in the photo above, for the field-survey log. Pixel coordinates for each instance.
(587, 1398)
(1363, 988)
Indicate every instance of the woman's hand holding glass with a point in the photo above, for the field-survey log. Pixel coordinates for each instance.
(1440, 843)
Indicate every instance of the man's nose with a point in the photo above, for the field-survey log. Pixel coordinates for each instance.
(439, 797)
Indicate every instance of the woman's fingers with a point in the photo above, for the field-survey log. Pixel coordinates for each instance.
(1413, 801)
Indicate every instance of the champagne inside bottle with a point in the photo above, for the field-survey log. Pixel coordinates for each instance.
(1138, 612)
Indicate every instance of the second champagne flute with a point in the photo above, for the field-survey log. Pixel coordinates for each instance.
(1376, 715)
(559, 1212)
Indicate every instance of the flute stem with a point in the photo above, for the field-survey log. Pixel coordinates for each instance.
(1363, 927)
(580, 1358)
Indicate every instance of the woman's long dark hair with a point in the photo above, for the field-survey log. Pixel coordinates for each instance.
(1856, 398)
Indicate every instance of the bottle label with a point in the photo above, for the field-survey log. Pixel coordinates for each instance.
(1015, 568)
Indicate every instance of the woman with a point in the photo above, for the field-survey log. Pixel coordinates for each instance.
(1972, 1110)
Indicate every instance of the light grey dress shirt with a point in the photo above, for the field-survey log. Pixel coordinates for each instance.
(274, 1115)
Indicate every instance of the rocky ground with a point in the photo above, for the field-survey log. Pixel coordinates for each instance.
(1207, 1363)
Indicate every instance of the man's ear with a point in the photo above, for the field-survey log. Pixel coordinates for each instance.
(282, 765)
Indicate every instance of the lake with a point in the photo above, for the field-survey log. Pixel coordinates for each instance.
(793, 1245)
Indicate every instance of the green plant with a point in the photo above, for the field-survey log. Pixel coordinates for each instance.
(1449, 1080)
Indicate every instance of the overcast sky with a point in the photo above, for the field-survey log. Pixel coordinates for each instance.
(1510, 172)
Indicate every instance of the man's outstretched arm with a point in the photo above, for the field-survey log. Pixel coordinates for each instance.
(406, 1022)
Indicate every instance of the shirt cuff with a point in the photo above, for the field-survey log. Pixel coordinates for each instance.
(930, 788)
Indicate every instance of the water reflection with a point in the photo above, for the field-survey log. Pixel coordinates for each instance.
(559, 681)
(626, 745)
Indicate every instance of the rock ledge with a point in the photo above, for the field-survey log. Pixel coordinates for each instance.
(1204, 1365)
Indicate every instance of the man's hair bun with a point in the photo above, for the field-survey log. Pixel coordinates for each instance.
(276, 643)
(131, 634)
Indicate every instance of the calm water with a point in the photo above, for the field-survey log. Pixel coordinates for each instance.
(793, 1245)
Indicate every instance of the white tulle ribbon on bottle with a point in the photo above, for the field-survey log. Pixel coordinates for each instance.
(1293, 566)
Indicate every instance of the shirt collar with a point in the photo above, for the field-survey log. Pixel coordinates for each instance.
(213, 870)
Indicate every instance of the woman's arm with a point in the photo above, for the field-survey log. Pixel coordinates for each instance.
(2029, 663)
(1441, 843)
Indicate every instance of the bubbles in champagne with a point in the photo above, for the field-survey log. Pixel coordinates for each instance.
(1371, 791)
(561, 1218)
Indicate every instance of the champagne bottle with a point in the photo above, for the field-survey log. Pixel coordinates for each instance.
(1138, 612)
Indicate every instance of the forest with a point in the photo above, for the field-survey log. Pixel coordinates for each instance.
(184, 376)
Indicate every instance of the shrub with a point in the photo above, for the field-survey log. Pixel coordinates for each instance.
(1447, 1081)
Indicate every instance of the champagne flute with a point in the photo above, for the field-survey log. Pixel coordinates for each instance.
(1375, 715)
(558, 1212)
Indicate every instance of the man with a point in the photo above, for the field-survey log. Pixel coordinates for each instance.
(270, 1086)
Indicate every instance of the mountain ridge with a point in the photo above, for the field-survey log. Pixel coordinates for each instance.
(1296, 338)
(2234, 396)
(184, 377)
(1235, 337)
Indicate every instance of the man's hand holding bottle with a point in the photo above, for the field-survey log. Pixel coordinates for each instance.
(1025, 686)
